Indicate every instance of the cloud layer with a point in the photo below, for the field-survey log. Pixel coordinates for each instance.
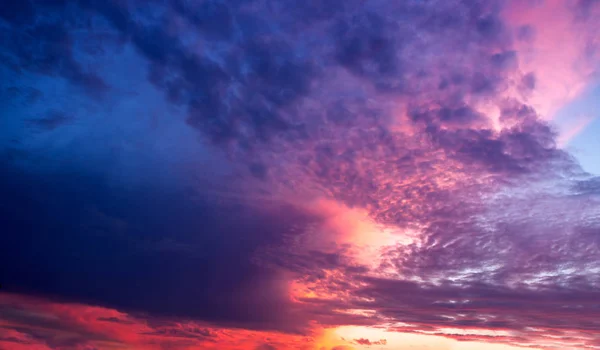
(271, 167)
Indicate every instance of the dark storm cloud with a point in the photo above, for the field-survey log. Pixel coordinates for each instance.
(141, 252)
(206, 274)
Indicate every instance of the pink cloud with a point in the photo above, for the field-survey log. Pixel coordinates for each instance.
(33, 323)
(556, 44)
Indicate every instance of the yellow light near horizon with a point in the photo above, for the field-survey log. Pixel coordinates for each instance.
(346, 336)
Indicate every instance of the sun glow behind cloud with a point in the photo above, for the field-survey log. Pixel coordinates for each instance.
(356, 229)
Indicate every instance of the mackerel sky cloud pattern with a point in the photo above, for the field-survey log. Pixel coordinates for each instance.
(260, 174)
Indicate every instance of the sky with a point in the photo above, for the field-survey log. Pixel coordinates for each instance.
(282, 174)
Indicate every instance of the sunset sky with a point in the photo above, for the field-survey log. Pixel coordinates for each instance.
(299, 174)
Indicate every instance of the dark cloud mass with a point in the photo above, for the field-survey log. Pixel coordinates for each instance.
(251, 174)
(138, 259)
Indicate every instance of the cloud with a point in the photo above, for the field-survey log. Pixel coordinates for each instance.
(33, 323)
(561, 73)
(134, 260)
(51, 121)
(266, 347)
(359, 163)
(242, 90)
(36, 42)
(364, 341)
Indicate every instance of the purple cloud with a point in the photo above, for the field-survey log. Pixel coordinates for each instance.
(286, 167)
